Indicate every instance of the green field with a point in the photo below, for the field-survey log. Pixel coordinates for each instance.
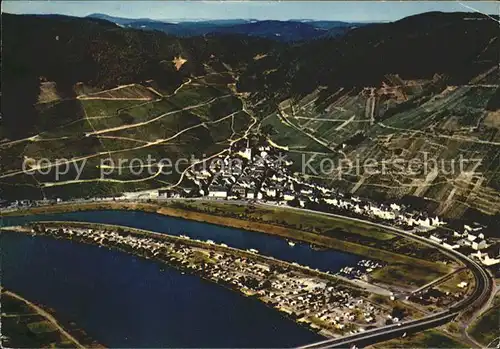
(405, 275)
(200, 119)
(408, 267)
(308, 221)
(24, 327)
(487, 327)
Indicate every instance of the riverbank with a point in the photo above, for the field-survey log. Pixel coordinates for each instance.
(355, 283)
(256, 226)
(126, 301)
(302, 293)
(26, 324)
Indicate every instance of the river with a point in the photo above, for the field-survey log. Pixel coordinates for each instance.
(124, 301)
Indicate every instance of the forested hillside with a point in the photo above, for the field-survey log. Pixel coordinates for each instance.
(86, 88)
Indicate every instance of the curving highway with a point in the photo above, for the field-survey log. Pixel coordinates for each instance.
(480, 294)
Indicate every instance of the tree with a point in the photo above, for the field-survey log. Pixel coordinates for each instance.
(266, 284)
(269, 130)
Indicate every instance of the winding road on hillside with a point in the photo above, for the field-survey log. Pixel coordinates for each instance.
(47, 316)
(176, 111)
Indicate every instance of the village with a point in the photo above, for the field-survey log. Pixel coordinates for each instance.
(325, 304)
(258, 172)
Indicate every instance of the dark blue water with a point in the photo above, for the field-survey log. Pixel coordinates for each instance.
(325, 260)
(124, 301)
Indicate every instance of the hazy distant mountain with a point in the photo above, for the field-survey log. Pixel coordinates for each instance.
(286, 31)
(118, 20)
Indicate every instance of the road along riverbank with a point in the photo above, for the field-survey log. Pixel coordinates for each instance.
(337, 243)
(324, 302)
(27, 324)
(479, 293)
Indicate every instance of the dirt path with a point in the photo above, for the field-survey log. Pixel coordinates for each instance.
(104, 91)
(345, 123)
(370, 106)
(285, 118)
(48, 316)
(327, 120)
(125, 127)
(115, 98)
(245, 135)
(148, 144)
(455, 138)
(477, 316)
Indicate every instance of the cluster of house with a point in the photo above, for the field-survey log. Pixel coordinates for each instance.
(336, 309)
(240, 272)
(390, 213)
(265, 176)
(307, 297)
(13, 205)
(242, 175)
(20, 204)
(261, 172)
(218, 266)
(470, 241)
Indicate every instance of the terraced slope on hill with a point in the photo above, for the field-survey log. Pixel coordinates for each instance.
(88, 90)
(389, 93)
